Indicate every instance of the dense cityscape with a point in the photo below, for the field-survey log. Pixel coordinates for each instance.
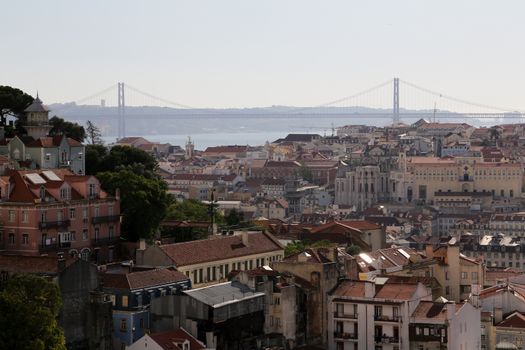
(407, 236)
(270, 175)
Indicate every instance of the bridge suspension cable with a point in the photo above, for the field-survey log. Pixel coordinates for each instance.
(458, 100)
(180, 105)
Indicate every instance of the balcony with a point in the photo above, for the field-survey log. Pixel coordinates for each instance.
(104, 219)
(346, 336)
(386, 340)
(97, 242)
(45, 225)
(347, 316)
(385, 318)
(53, 247)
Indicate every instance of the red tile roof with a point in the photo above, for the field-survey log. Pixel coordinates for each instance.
(433, 310)
(166, 340)
(220, 248)
(143, 279)
(397, 291)
(44, 265)
(515, 320)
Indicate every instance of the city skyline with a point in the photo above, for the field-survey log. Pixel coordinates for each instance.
(271, 53)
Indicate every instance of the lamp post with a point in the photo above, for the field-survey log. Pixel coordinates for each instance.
(211, 211)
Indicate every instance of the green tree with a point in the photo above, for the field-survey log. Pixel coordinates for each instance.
(69, 129)
(12, 103)
(95, 155)
(299, 246)
(125, 155)
(93, 134)
(233, 217)
(188, 210)
(353, 249)
(29, 306)
(144, 200)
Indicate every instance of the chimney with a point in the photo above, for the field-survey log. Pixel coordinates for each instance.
(370, 289)
(245, 240)
(61, 264)
(142, 244)
(451, 309)
(429, 251)
(498, 315)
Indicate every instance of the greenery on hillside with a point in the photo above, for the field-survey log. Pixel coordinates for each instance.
(29, 306)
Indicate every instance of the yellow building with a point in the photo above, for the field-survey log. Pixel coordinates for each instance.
(421, 178)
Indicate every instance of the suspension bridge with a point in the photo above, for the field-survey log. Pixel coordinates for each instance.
(394, 99)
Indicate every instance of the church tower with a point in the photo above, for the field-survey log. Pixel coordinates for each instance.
(190, 147)
(37, 119)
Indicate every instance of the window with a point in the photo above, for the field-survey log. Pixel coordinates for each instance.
(124, 300)
(12, 216)
(85, 212)
(97, 211)
(97, 233)
(110, 210)
(112, 298)
(25, 216)
(464, 275)
(85, 234)
(446, 275)
(11, 238)
(25, 239)
(71, 213)
(92, 190)
(43, 216)
(378, 311)
(60, 215)
(141, 323)
(123, 325)
(110, 231)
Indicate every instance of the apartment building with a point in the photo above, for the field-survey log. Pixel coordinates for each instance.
(209, 261)
(372, 314)
(57, 212)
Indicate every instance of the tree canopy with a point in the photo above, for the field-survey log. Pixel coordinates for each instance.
(69, 129)
(13, 102)
(100, 159)
(299, 246)
(29, 306)
(144, 200)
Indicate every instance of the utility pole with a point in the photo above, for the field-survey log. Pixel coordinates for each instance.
(395, 109)
(121, 112)
(211, 211)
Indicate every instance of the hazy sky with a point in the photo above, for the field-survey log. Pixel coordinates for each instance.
(259, 53)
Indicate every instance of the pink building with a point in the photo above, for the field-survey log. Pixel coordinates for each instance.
(55, 212)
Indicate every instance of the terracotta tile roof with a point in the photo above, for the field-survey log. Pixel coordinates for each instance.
(515, 320)
(360, 224)
(143, 279)
(397, 291)
(220, 248)
(203, 177)
(226, 149)
(354, 289)
(42, 142)
(166, 340)
(282, 164)
(310, 255)
(44, 265)
(433, 310)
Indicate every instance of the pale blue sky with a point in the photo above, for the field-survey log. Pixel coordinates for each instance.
(259, 53)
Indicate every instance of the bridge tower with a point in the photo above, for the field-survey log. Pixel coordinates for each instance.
(395, 109)
(121, 112)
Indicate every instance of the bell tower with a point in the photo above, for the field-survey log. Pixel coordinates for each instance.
(37, 119)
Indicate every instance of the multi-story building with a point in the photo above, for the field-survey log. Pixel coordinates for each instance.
(362, 186)
(495, 250)
(366, 315)
(132, 293)
(318, 267)
(419, 179)
(57, 212)
(455, 272)
(438, 325)
(209, 261)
